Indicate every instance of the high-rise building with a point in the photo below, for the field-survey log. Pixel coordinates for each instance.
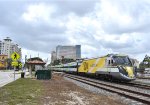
(7, 47)
(53, 56)
(72, 52)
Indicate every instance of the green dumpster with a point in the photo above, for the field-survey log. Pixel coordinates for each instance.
(43, 74)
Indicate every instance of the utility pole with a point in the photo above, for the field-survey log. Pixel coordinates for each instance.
(14, 72)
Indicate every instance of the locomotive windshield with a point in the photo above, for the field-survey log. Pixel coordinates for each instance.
(122, 60)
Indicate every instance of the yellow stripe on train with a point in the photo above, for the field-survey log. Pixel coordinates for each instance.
(129, 70)
(92, 65)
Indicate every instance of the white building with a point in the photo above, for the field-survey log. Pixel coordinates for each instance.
(72, 52)
(53, 56)
(7, 47)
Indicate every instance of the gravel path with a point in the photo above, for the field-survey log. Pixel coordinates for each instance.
(145, 81)
(59, 91)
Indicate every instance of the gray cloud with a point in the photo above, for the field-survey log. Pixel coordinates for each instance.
(91, 23)
(39, 36)
(79, 7)
(136, 13)
(116, 45)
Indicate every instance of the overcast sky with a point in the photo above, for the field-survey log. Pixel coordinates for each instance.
(100, 26)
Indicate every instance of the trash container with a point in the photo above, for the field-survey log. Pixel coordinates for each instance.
(22, 74)
(43, 74)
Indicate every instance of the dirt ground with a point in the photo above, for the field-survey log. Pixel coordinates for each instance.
(59, 91)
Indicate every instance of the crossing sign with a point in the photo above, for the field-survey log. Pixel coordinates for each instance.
(15, 56)
(20, 64)
(14, 63)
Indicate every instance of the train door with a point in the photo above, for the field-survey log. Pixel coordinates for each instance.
(109, 63)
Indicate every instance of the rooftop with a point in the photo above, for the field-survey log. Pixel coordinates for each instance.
(36, 62)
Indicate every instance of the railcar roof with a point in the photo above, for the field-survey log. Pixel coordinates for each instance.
(108, 55)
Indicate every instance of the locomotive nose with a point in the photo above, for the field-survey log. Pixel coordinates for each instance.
(130, 71)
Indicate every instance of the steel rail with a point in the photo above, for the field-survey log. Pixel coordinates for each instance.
(138, 96)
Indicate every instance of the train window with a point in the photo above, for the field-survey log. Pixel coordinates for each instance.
(122, 60)
(111, 61)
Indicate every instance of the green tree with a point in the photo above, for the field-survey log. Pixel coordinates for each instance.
(9, 61)
(146, 62)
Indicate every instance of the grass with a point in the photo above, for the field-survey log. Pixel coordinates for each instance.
(21, 92)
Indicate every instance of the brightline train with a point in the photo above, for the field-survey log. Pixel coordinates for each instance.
(112, 65)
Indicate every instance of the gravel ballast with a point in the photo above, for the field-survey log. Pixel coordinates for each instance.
(60, 91)
(121, 99)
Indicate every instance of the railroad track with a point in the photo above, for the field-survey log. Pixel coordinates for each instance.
(132, 94)
(138, 85)
(133, 84)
